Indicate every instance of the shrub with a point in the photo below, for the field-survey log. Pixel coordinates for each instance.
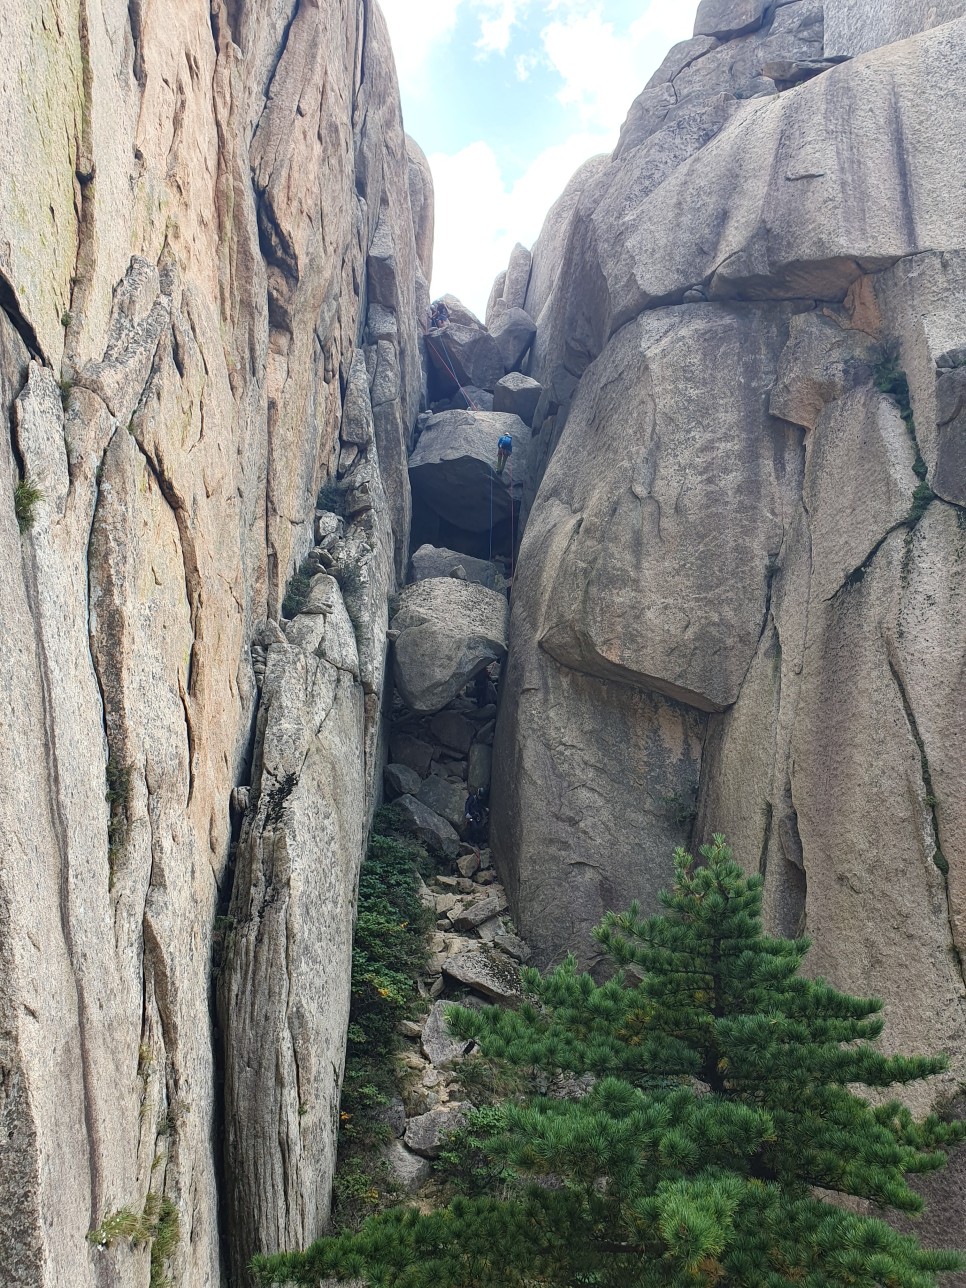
(25, 498)
(157, 1224)
(721, 1107)
(332, 497)
(297, 591)
(389, 951)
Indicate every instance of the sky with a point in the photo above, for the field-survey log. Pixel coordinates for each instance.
(507, 98)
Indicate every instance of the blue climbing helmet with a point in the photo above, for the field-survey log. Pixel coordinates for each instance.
(505, 443)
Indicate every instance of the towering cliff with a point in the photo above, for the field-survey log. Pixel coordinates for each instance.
(209, 283)
(739, 602)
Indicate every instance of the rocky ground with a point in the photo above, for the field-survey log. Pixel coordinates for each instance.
(475, 955)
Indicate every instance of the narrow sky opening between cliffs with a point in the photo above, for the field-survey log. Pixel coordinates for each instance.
(507, 98)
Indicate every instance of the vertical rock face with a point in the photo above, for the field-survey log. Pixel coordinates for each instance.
(739, 600)
(205, 216)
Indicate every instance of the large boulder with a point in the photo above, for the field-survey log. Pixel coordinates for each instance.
(452, 468)
(513, 330)
(461, 355)
(517, 278)
(434, 561)
(444, 798)
(428, 827)
(448, 630)
(518, 394)
(439, 1045)
(426, 1134)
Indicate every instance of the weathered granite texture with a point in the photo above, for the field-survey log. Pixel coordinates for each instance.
(738, 604)
(204, 209)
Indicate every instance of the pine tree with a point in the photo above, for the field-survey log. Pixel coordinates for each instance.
(719, 1104)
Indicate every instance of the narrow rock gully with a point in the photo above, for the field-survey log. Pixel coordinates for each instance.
(449, 635)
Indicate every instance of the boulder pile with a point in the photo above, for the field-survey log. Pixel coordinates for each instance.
(475, 954)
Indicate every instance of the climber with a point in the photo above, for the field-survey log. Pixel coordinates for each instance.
(474, 819)
(438, 315)
(504, 448)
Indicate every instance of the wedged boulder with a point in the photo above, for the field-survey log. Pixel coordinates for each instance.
(518, 394)
(452, 468)
(513, 330)
(400, 780)
(476, 913)
(463, 355)
(428, 827)
(470, 398)
(448, 631)
(443, 798)
(436, 561)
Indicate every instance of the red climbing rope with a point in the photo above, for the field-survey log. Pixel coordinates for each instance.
(444, 357)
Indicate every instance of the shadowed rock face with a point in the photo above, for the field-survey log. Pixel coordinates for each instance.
(738, 604)
(447, 630)
(189, 221)
(453, 468)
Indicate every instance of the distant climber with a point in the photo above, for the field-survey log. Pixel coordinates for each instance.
(504, 449)
(438, 315)
(474, 819)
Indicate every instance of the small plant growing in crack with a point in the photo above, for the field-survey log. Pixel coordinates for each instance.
(65, 384)
(681, 809)
(332, 497)
(922, 497)
(890, 379)
(157, 1224)
(25, 497)
(297, 591)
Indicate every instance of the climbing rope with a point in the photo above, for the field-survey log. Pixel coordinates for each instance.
(509, 462)
(447, 362)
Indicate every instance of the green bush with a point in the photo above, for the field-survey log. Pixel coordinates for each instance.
(466, 1164)
(297, 591)
(25, 498)
(332, 497)
(157, 1224)
(720, 1112)
(388, 953)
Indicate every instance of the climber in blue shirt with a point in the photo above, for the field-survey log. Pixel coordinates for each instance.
(504, 448)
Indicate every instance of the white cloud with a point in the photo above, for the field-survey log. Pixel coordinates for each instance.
(497, 23)
(417, 29)
(603, 67)
(479, 217)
